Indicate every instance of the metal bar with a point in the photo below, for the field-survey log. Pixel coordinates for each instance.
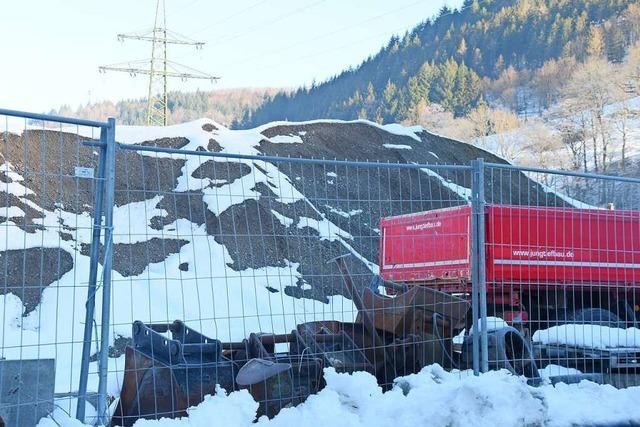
(355, 163)
(562, 172)
(367, 321)
(52, 118)
(103, 363)
(93, 275)
(267, 339)
(482, 273)
(475, 269)
(91, 143)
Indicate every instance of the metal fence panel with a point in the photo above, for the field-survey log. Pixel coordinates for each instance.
(256, 271)
(50, 184)
(234, 245)
(562, 267)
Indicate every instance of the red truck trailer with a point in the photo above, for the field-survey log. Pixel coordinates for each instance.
(546, 264)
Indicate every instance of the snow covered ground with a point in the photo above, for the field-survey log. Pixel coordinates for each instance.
(515, 146)
(433, 397)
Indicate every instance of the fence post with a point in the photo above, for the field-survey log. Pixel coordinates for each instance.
(480, 348)
(109, 190)
(93, 275)
(482, 271)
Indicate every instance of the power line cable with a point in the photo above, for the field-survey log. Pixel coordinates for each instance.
(182, 9)
(331, 33)
(266, 23)
(261, 25)
(404, 28)
(229, 17)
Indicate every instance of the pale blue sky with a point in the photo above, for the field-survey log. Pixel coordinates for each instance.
(51, 49)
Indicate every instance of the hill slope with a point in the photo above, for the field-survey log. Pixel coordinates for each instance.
(224, 105)
(443, 60)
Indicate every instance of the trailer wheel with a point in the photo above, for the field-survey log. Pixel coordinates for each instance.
(596, 316)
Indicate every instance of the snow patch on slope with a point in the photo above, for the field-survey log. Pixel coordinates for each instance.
(397, 146)
(463, 192)
(342, 213)
(286, 139)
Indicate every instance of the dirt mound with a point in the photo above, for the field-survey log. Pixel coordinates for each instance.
(264, 214)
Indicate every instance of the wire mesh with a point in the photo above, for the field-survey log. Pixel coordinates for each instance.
(47, 188)
(562, 268)
(257, 272)
(242, 251)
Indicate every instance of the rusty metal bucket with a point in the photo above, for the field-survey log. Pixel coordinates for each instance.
(166, 375)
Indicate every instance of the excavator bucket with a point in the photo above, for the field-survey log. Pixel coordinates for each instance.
(418, 310)
(276, 380)
(414, 328)
(166, 375)
(280, 382)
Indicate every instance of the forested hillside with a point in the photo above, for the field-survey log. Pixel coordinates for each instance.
(463, 57)
(225, 106)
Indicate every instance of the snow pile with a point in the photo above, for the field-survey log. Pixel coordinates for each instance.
(591, 404)
(432, 397)
(552, 370)
(589, 336)
(493, 324)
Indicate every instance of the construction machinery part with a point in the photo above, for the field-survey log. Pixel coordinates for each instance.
(278, 380)
(164, 375)
(508, 349)
(391, 336)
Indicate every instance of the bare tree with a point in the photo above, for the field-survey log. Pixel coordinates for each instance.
(547, 81)
(593, 86)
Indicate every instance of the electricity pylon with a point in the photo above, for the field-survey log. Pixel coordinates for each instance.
(159, 68)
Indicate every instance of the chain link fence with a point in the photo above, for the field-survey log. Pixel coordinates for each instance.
(149, 270)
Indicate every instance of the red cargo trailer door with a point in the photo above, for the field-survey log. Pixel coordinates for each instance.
(426, 245)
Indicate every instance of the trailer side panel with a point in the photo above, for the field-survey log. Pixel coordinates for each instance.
(426, 246)
(562, 246)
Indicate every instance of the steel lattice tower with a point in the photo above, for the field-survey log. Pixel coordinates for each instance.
(159, 68)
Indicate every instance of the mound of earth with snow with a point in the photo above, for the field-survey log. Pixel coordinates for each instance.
(231, 246)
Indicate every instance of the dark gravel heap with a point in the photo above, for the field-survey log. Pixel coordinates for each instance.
(353, 199)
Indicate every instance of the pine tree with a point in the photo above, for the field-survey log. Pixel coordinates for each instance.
(462, 47)
(595, 45)
(389, 102)
(443, 90)
(419, 85)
